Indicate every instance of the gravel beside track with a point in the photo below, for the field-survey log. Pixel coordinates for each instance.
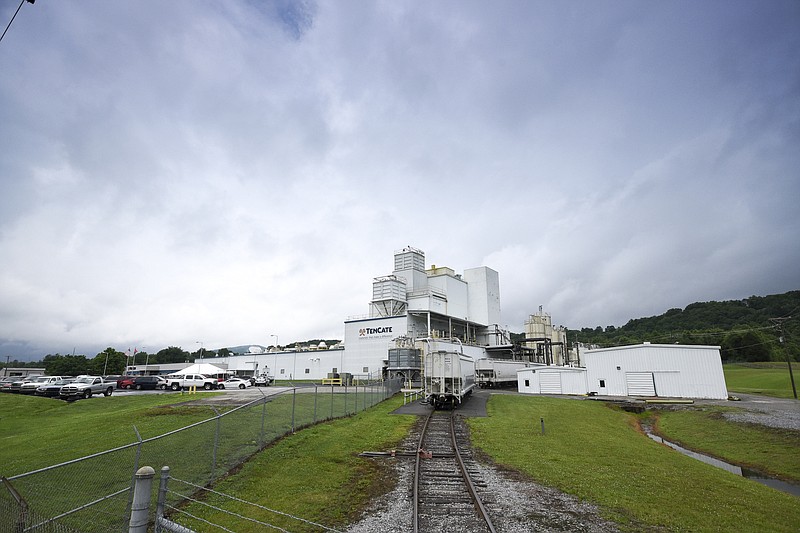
(524, 506)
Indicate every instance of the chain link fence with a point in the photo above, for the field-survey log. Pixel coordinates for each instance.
(94, 493)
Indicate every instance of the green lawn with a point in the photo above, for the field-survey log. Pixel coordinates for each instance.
(37, 432)
(589, 450)
(770, 379)
(597, 454)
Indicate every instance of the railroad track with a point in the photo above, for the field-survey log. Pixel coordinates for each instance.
(444, 494)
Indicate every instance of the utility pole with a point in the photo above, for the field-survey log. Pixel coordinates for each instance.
(779, 324)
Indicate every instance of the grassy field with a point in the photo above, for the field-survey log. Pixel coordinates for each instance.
(597, 454)
(37, 432)
(589, 450)
(770, 379)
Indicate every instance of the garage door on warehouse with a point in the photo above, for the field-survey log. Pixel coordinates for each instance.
(550, 382)
(640, 384)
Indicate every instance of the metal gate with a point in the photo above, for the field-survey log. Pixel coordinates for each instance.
(640, 384)
(550, 382)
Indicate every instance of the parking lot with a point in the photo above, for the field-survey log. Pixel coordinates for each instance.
(220, 396)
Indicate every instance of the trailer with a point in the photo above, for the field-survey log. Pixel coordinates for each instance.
(496, 373)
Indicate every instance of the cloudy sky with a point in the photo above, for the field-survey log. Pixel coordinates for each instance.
(219, 172)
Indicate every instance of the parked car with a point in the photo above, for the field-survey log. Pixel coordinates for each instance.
(16, 385)
(184, 381)
(125, 382)
(149, 382)
(85, 386)
(52, 390)
(5, 384)
(30, 387)
(235, 383)
(263, 380)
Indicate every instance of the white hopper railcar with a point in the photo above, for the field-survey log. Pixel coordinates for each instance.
(498, 372)
(449, 378)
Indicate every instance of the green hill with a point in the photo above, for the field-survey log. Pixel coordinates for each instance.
(744, 329)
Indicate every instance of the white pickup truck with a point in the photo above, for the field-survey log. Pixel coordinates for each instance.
(185, 381)
(29, 387)
(85, 386)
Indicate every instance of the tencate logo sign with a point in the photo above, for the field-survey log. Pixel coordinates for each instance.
(385, 331)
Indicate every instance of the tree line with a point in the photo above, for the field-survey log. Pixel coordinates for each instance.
(113, 362)
(745, 330)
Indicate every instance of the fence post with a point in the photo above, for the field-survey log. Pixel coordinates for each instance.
(140, 509)
(22, 515)
(294, 395)
(216, 445)
(331, 401)
(135, 467)
(162, 497)
(263, 419)
(315, 403)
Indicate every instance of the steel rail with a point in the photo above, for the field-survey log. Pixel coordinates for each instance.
(480, 508)
(416, 472)
(470, 485)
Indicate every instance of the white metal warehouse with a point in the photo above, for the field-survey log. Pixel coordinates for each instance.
(670, 370)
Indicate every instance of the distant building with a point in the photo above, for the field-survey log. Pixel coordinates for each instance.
(22, 372)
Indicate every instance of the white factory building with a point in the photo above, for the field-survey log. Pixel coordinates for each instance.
(644, 370)
(414, 308)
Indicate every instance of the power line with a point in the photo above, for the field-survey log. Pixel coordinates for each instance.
(15, 16)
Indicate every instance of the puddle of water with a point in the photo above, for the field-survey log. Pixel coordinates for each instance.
(739, 471)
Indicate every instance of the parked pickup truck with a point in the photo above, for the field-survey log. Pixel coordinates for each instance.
(85, 386)
(184, 381)
(264, 380)
(29, 387)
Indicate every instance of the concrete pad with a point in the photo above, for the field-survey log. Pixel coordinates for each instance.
(473, 406)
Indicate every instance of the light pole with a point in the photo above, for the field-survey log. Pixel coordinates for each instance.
(274, 370)
(294, 367)
(201, 351)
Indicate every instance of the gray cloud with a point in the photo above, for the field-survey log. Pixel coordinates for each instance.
(195, 171)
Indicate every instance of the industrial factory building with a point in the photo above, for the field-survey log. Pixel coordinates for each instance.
(411, 309)
(415, 303)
